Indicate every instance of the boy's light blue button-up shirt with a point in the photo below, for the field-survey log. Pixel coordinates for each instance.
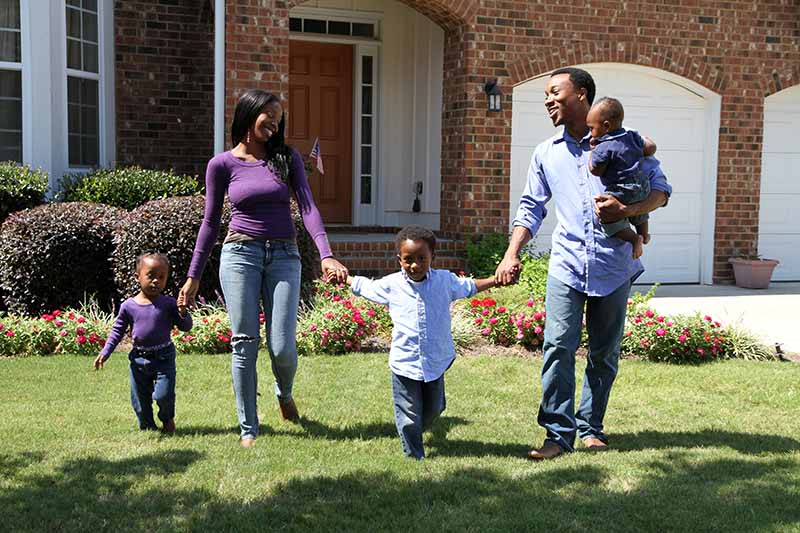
(582, 256)
(422, 346)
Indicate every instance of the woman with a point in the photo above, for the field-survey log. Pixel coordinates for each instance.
(260, 260)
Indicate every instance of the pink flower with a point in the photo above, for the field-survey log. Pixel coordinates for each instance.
(71, 315)
(628, 333)
(486, 331)
(630, 302)
(637, 320)
(348, 344)
(1, 326)
(529, 303)
(485, 312)
(58, 323)
(205, 321)
(479, 320)
(9, 333)
(62, 333)
(644, 343)
(501, 309)
(493, 321)
(538, 316)
(79, 330)
(371, 313)
(336, 297)
(360, 333)
(80, 320)
(187, 338)
(537, 330)
(81, 339)
(520, 336)
(223, 338)
(57, 312)
(669, 323)
(661, 332)
(717, 324)
(701, 351)
(313, 327)
(325, 333)
(682, 338)
(649, 313)
(707, 318)
(329, 315)
(659, 319)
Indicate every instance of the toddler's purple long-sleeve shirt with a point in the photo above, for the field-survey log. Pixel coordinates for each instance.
(260, 205)
(151, 323)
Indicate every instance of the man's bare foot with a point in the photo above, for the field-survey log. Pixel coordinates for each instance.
(637, 247)
(248, 442)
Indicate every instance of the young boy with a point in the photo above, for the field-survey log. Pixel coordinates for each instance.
(150, 315)
(616, 154)
(422, 347)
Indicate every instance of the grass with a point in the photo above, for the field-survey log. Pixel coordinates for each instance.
(714, 447)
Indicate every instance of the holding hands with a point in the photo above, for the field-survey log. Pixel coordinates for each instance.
(508, 270)
(333, 271)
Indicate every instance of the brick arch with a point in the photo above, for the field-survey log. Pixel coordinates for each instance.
(448, 14)
(780, 80)
(644, 55)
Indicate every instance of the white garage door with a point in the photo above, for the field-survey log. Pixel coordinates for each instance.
(678, 120)
(778, 229)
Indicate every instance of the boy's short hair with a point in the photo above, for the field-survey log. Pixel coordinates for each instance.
(151, 255)
(611, 109)
(416, 233)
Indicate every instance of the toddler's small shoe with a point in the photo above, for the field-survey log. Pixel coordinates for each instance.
(289, 411)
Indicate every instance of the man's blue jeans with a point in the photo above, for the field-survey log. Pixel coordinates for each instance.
(152, 377)
(416, 405)
(252, 273)
(605, 323)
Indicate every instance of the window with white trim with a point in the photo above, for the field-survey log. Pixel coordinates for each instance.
(83, 82)
(10, 81)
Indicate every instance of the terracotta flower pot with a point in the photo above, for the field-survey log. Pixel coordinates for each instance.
(753, 273)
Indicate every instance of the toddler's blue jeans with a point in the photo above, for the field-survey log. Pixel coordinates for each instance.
(152, 376)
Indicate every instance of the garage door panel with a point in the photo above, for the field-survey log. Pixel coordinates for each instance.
(784, 248)
(781, 173)
(672, 258)
(683, 215)
(678, 129)
(778, 231)
(778, 214)
(684, 170)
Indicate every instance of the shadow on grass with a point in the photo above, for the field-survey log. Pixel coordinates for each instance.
(746, 443)
(193, 431)
(677, 493)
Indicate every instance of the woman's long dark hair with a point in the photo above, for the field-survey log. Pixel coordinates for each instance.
(247, 110)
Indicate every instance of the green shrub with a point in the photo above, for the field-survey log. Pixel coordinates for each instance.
(484, 254)
(534, 273)
(20, 188)
(126, 187)
(168, 226)
(54, 255)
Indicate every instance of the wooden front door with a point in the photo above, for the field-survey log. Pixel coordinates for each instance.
(321, 105)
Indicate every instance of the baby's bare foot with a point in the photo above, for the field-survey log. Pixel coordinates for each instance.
(637, 247)
(646, 237)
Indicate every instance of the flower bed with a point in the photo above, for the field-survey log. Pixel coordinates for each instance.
(66, 331)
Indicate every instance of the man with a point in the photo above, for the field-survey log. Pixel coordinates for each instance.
(586, 268)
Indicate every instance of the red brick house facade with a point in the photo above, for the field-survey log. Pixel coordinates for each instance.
(741, 51)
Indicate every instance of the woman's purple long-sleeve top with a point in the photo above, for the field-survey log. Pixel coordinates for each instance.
(260, 205)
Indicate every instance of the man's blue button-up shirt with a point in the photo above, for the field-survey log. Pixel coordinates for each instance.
(581, 256)
(422, 345)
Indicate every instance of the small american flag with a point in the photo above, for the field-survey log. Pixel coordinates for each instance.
(316, 154)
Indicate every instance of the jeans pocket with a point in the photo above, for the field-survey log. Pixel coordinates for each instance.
(293, 251)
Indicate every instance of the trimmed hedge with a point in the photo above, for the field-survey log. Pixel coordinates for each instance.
(55, 255)
(127, 187)
(170, 226)
(20, 188)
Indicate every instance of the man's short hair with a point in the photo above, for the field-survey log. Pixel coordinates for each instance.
(580, 79)
(416, 233)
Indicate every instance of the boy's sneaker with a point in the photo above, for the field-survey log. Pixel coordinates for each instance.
(169, 426)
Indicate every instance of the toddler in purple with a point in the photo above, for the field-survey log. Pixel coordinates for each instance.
(616, 159)
(151, 316)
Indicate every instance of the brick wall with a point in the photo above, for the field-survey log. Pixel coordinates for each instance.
(165, 83)
(740, 49)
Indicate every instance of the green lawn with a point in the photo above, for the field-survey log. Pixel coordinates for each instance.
(715, 447)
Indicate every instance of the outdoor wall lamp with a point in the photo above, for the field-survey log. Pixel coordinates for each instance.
(495, 95)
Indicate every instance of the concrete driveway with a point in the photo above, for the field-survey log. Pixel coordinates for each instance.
(772, 314)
